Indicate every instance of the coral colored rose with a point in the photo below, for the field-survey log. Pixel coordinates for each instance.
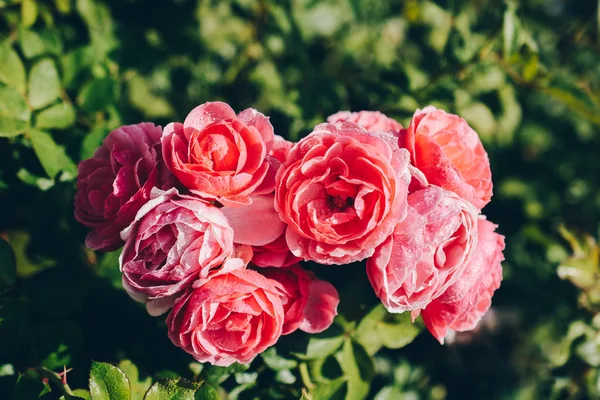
(463, 304)
(427, 252)
(174, 240)
(274, 254)
(116, 182)
(370, 120)
(341, 192)
(219, 155)
(445, 148)
(309, 304)
(230, 317)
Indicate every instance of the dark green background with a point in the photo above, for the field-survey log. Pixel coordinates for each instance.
(525, 75)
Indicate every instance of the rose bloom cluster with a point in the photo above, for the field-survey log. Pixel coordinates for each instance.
(215, 215)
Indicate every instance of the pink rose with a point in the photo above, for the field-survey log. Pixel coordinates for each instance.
(219, 155)
(231, 316)
(370, 120)
(309, 304)
(445, 148)
(464, 303)
(341, 192)
(116, 182)
(428, 251)
(274, 254)
(174, 240)
(281, 149)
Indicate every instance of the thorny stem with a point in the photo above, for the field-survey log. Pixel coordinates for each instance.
(60, 381)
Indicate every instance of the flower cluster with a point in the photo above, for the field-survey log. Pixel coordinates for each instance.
(215, 215)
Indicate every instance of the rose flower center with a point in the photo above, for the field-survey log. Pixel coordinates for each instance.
(215, 152)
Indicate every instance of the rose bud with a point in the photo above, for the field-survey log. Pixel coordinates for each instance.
(220, 155)
(116, 182)
(309, 304)
(463, 304)
(341, 192)
(174, 240)
(230, 317)
(445, 148)
(427, 252)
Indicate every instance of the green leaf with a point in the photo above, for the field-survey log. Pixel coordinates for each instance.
(31, 43)
(389, 393)
(207, 392)
(74, 63)
(100, 24)
(108, 382)
(172, 389)
(330, 389)
(399, 333)
(29, 12)
(12, 71)
(26, 266)
(14, 113)
(8, 266)
(52, 156)
(138, 388)
(97, 94)
(277, 362)
(92, 141)
(78, 394)
(44, 84)
(358, 367)
(366, 332)
(510, 28)
(58, 116)
(143, 99)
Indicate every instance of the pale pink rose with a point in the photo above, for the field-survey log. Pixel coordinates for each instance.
(370, 120)
(309, 304)
(445, 148)
(229, 317)
(174, 240)
(256, 223)
(275, 254)
(116, 182)
(341, 192)
(259, 225)
(221, 156)
(463, 304)
(427, 252)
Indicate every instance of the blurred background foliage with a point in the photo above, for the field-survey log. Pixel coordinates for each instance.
(525, 75)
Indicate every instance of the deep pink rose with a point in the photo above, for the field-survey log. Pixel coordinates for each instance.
(341, 192)
(464, 303)
(231, 316)
(309, 304)
(174, 240)
(445, 148)
(116, 182)
(370, 120)
(427, 252)
(221, 156)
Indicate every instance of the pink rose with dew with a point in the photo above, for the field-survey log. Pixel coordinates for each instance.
(230, 317)
(174, 240)
(427, 252)
(449, 153)
(370, 120)
(463, 304)
(341, 192)
(309, 304)
(220, 155)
